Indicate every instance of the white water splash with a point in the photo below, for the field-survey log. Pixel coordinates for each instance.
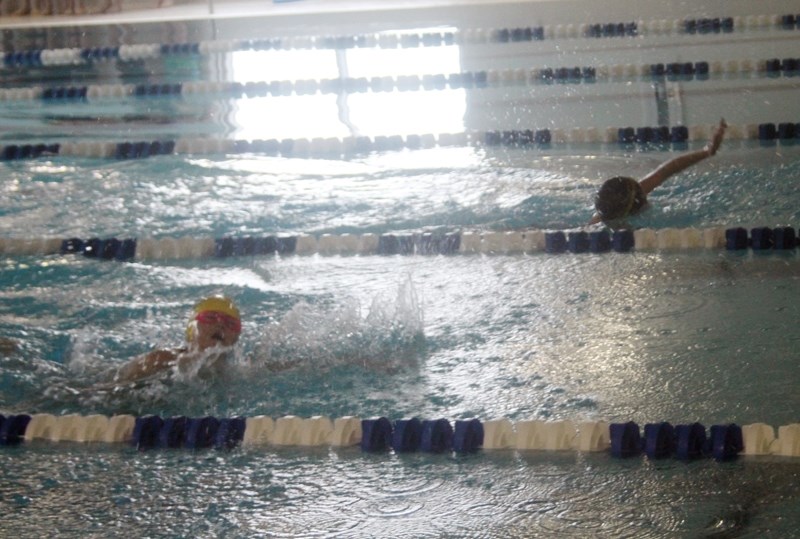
(386, 335)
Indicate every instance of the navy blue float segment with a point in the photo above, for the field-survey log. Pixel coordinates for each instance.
(784, 238)
(625, 439)
(659, 440)
(201, 432)
(626, 135)
(726, 441)
(708, 26)
(467, 436)
(183, 432)
(72, 246)
(736, 239)
(421, 244)
(620, 29)
(690, 441)
(141, 150)
(104, 249)
(661, 134)
(173, 432)
(787, 131)
(23, 58)
(555, 242)
(100, 53)
(437, 436)
(248, 246)
(599, 241)
(767, 132)
(64, 92)
(376, 434)
(146, 431)
(91, 248)
(622, 241)
(13, 152)
(230, 432)
(12, 428)
(761, 238)
(180, 48)
(407, 435)
(157, 90)
(687, 441)
(518, 138)
(578, 242)
(679, 134)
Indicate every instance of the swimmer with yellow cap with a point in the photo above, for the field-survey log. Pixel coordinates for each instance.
(215, 324)
(621, 197)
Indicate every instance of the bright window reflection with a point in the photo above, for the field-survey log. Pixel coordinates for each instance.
(369, 113)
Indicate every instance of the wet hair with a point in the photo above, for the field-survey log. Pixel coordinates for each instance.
(618, 198)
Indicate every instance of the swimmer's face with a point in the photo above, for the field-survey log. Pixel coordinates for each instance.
(216, 329)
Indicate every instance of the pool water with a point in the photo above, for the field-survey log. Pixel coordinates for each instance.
(646, 336)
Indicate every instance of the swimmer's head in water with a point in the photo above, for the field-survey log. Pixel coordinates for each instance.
(216, 322)
(618, 198)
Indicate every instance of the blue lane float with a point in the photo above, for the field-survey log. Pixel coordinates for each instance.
(173, 432)
(658, 138)
(761, 239)
(12, 428)
(687, 442)
(659, 440)
(780, 239)
(594, 30)
(700, 70)
(376, 435)
(437, 436)
(726, 441)
(146, 432)
(690, 441)
(626, 440)
(722, 442)
(407, 435)
(201, 432)
(467, 436)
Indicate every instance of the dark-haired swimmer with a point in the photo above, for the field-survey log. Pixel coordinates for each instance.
(622, 197)
(214, 328)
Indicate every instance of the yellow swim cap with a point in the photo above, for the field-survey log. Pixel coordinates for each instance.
(216, 304)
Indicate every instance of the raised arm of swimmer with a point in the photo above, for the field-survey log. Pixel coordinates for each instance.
(215, 323)
(621, 197)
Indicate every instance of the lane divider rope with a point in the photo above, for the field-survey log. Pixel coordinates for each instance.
(683, 71)
(663, 138)
(759, 239)
(622, 440)
(703, 26)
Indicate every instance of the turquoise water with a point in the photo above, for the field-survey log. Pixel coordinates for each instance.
(645, 336)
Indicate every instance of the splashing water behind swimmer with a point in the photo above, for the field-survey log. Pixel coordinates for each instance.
(388, 336)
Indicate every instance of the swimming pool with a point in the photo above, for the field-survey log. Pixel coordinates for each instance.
(655, 334)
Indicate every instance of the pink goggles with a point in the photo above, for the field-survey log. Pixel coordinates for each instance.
(212, 317)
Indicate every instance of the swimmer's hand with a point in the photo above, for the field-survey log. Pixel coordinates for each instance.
(716, 140)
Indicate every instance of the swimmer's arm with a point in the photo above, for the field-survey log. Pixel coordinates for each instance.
(682, 162)
(596, 218)
(147, 365)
